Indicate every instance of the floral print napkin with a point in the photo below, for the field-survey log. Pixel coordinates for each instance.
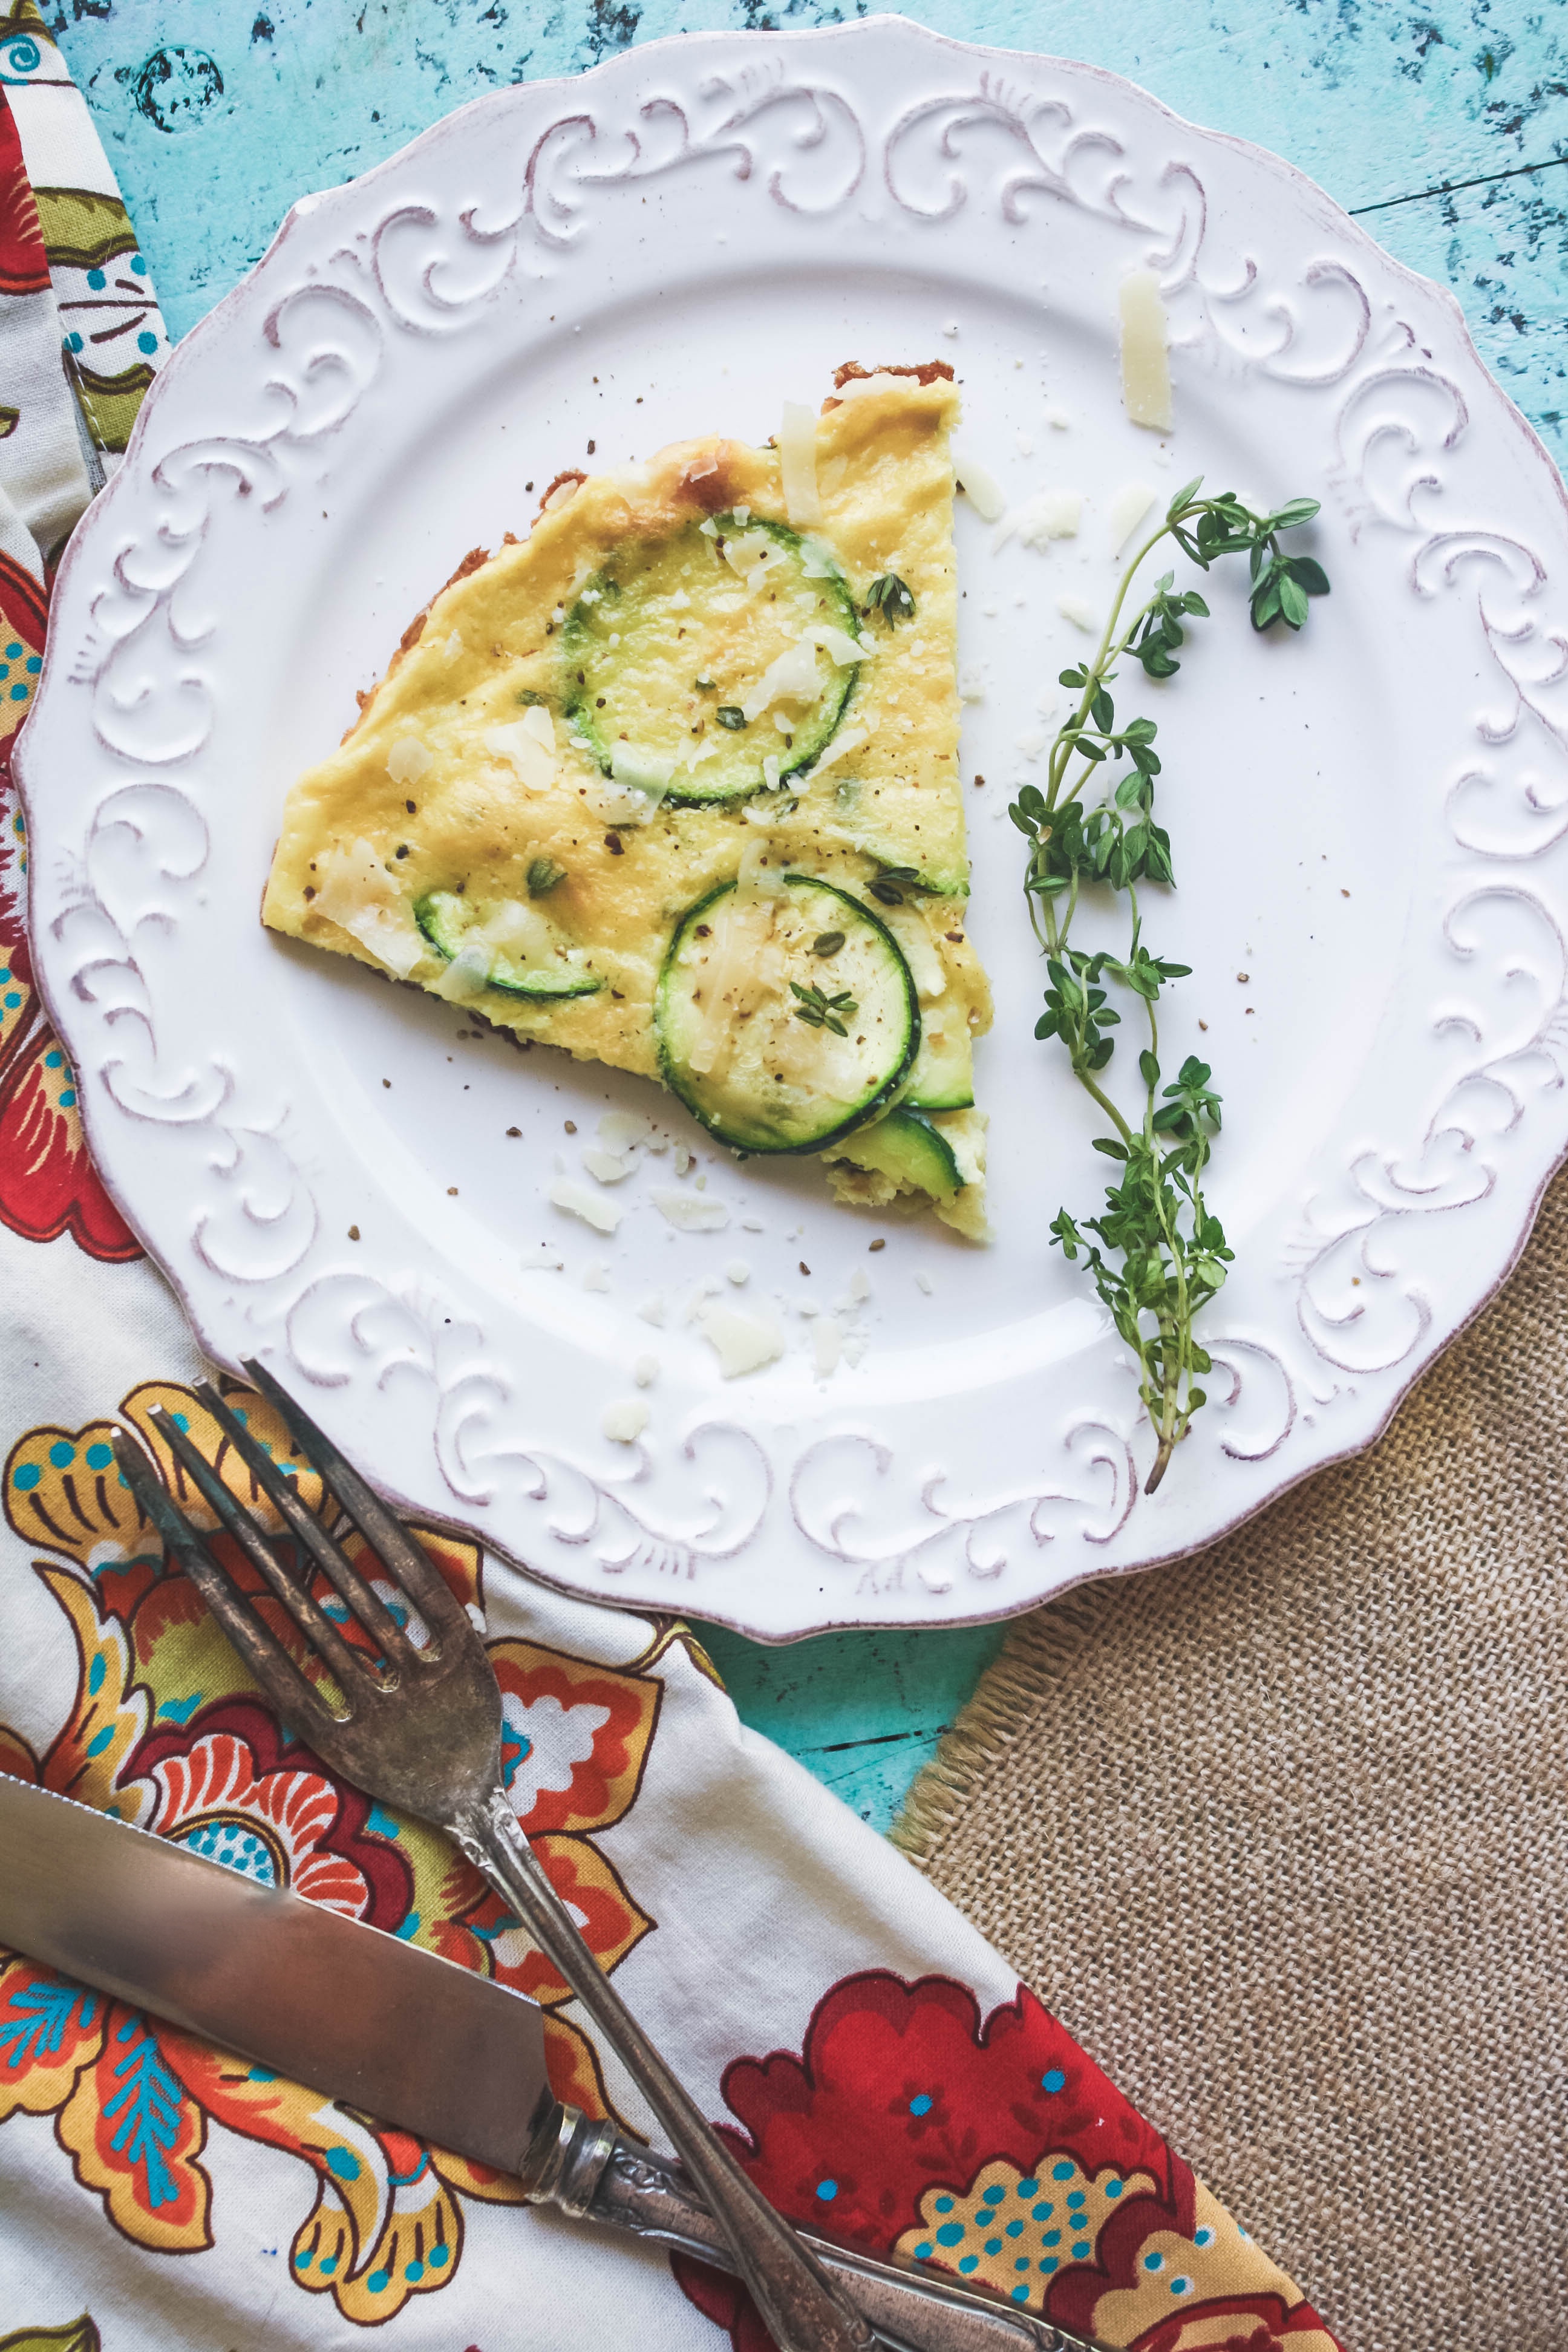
(876, 2067)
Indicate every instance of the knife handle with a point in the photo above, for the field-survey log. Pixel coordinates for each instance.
(649, 2195)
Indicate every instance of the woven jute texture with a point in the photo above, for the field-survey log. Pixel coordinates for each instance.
(1281, 1834)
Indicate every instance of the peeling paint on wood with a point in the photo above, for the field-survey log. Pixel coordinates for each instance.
(1445, 127)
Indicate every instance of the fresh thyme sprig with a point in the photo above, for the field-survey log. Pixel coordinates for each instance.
(1160, 1253)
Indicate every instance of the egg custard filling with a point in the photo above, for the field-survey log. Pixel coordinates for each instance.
(673, 784)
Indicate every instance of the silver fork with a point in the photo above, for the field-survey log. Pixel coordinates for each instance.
(420, 1730)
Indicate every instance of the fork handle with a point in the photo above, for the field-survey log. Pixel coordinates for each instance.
(804, 2309)
(921, 2311)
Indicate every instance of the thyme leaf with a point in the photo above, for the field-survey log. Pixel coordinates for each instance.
(820, 1012)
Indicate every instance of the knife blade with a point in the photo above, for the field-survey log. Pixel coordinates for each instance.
(397, 2032)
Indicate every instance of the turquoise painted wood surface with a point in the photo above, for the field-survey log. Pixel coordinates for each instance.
(1445, 126)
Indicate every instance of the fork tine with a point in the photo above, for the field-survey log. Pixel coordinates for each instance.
(302, 1707)
(367, 1606)
(347, 1663)
(386, 1537)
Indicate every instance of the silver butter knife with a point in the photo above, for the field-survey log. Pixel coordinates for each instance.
(360, 2016)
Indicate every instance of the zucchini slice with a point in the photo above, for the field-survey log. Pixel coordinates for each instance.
(785, 1019)
(682, 653)
(907, 1148)
(504, 948)
(944, 1074)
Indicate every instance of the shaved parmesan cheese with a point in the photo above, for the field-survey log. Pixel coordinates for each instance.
(620, 1131)
(1058, 419)
(607, 1166)
(1050, 514)
(544, 1260)
(742, 1342)
(453, 648)
(757, 878)
(1078, 611)
(1128, 509)
(790, 678)
(645, 1371)
(529, 744)
(971, 684)
(354, 891)
(859, 1285)
(771, 772)
(624, 1423)
(578, 1202)
(468, 975)
(753, 554)
(560, 496)
(797, 463)
(596, 1275)
(737, 1272)
(1146, 354)
(839, 646)
(407, 760)
(979, 484)
(652, 1309)
(847, 739)
(519, 931)
(691, 1214)
(827, 1343)
(642, 774)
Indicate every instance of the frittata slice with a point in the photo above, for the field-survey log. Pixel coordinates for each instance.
(673, 784)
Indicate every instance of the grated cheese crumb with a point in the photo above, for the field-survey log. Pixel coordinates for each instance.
(453, 646)
(737, 1272)
(1058, 419)
(645, 1371)
(859, 1285)
(742, 1342)
(626, 1421)
(683, 1159)
(827, 1346)
(542, 1259)
(407, 760)
(923, 1281)
(652, 1308)
(1050, 514)
(597, 1275)
(1078, 611)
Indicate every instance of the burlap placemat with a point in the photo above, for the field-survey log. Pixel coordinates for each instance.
(1281, 1834)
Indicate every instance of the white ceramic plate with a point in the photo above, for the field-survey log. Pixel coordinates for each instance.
(1368, 823)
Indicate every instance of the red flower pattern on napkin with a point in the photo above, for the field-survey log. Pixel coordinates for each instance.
(996, 2150)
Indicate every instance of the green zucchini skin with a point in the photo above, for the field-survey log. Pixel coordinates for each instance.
(594, 669)
(908, 1147)
(437, 915)
(795, 1127)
